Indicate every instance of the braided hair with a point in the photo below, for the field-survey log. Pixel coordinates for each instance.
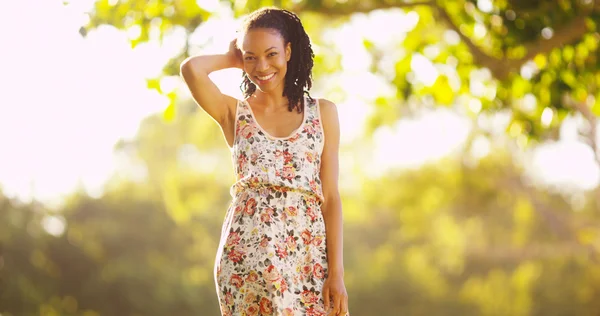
(298, 79)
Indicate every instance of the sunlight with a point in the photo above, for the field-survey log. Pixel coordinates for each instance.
(569, 165)
(413, 142)
(209, 5)
(87, 93)
(344, 39)
(54, 225)
(82, 86)
(481, 147)
(369, 26)
(485, 5)
(464, 185)
(423, 70)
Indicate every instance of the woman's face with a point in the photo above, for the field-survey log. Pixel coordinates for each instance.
(265, 56)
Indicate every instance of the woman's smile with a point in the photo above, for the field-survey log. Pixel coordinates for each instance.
(265, 79)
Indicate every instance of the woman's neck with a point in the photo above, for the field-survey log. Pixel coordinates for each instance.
(270, 101)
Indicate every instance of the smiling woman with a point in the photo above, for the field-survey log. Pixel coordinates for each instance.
(287, 48)
(264, 69)
(281, 242)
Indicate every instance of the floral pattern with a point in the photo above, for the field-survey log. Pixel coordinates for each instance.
(272, 258)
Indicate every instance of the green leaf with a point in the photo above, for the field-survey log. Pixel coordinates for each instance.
(442, 92)
(596, 105)
(154, 83)
(169, 113)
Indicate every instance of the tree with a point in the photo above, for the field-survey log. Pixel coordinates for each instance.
(544, 49)
(119, 255)
(439, 240)
(450, 238)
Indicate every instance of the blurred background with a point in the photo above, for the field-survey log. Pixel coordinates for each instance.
(469, 157)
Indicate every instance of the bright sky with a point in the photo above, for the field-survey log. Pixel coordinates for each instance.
(66, 101)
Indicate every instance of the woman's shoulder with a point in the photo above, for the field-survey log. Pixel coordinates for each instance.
(325, 106)
(327, 110)
(321, 102)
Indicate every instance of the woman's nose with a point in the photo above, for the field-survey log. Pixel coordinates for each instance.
(262, 65)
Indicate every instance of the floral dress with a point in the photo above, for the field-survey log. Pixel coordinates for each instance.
(272, 258)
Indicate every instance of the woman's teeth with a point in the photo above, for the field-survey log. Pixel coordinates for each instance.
(266, 77)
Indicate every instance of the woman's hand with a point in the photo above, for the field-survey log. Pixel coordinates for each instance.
(335, 296)
(235, 55)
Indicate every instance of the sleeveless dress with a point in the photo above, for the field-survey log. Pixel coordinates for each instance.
(272, 257)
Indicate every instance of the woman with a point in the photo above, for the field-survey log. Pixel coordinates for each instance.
(281, 244)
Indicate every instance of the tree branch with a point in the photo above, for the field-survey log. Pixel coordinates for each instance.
(496, 66)
(360, 7)
(500, 67)
(565, 35)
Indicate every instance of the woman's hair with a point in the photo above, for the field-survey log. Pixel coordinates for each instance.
(298, 79)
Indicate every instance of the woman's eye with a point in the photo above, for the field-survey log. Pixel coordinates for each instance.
(272, 54)
(249, 58)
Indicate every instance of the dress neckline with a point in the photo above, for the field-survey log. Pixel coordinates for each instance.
(294, 132)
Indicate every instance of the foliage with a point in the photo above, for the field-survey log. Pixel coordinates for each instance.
(452, 238)
(537, 58)
(443, 240)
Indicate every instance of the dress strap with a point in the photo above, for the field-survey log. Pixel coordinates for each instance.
(311, 107)
(240, 112)
(318, 123)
